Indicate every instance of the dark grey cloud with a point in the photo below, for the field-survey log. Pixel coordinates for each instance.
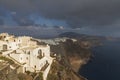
(2, 13)
(104, 31)
(77, 13)
(22, 20)
(31, 31)
(1, 22)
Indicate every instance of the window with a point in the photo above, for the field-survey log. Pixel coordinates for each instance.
(40, 51)
(28, 52)
(4, 47)
(40, 54)
(43, 54)
(9, 46)
(27, 58)
(35, 66)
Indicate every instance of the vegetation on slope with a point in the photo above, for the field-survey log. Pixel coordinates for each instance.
(70, 57)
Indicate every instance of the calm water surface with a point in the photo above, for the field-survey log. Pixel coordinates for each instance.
(106, 63)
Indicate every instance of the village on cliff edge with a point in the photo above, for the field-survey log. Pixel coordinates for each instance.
(26, 53)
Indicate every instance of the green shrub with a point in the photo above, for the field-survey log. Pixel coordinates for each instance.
(41, 75)
(6, 59)
(52, 77)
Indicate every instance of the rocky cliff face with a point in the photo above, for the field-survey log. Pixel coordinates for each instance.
(70, 57)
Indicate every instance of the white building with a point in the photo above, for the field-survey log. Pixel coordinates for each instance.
(26, 53)
(5, 36)
(32, 58)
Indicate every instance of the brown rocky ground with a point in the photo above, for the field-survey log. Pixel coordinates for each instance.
(70, 58)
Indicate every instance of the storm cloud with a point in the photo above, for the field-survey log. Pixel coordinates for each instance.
(76, 13)
(33, 31)
(1, 22)
(23, 20)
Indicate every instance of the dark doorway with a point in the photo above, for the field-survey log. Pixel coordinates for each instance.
(5, 47)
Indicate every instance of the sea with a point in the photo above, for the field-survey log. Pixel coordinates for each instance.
(105, 65)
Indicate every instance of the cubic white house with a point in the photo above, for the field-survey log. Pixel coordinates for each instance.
(27, 53)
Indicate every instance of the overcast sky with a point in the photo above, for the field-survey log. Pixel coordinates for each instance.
(40, 17)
